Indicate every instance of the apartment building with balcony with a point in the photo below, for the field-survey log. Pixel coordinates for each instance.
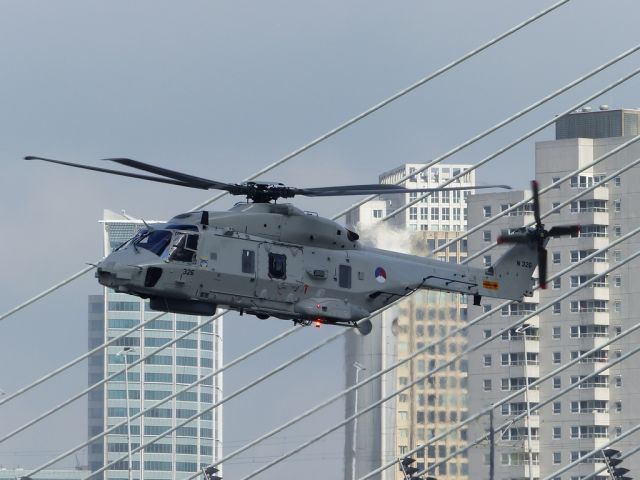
(603, 408)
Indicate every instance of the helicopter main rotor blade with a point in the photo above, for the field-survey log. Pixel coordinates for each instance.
(378, 188)
(165, 172)
(116, 172)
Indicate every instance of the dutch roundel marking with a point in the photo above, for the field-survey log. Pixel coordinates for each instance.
(381, 275)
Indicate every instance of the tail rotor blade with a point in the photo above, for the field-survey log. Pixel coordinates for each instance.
(542, 266)
(563, 230)
(536, 203)
(504, 239)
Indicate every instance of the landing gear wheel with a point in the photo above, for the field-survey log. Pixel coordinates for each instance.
(364, 327)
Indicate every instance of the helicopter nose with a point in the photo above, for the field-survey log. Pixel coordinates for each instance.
(118, 270)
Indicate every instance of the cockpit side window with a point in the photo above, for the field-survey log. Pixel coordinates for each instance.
(183, 248)
(277, 266)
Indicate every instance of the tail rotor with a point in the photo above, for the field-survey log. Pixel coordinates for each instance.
(538, 236)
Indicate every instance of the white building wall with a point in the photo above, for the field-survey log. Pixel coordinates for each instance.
(571, 327)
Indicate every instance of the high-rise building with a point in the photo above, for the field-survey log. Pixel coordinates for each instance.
(430, 407)
(192, 446)
(439, 211)
(602, 408)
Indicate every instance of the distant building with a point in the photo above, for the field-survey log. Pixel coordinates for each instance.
(429, 408)
(191, 447)
(604, 408)
(59, 474)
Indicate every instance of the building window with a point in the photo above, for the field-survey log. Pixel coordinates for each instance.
(557, 433)
(486, 333)
(557, 409)
(556, 332)
(445, 213)
(435, 213)
(486, 384)
(557, 458)
(617, 230)
(557, 382)
(618, 431)
(486, 308)
(486, 260)
(618, 405)
(557, 357)
(554, 206)
(617, 255)
(556, 283)
(556, 257)
(486, 235)
(617, 205)
(413, 213)
(617, 181)
(555, 180)
(377, 213)
(486, 211)
(556, 311)
(486, 359)
(617, 281)
(618, 381)
(424, 213)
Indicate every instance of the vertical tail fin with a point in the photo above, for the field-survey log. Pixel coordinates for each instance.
(511, 276)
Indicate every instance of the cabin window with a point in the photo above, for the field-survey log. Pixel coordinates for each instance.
(344, 276)
(183, 248)
(277, 265)
(248, 261)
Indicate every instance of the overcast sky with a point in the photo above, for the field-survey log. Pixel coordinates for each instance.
(220, 89)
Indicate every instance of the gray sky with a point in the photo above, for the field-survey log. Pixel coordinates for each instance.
(220, 89)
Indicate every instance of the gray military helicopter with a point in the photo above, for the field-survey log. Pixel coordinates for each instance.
(272, 259)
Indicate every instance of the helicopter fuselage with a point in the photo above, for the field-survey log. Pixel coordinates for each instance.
(275, 260)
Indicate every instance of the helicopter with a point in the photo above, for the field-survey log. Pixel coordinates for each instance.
(272, 259)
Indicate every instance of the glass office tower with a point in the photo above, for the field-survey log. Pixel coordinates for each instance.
(192, 446)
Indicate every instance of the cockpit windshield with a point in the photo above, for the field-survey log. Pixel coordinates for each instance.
(155, 242)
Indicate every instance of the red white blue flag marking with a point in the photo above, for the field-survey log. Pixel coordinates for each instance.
(381, 275)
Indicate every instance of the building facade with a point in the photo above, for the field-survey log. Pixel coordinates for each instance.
(430, 407)
(190, 447)
(587, 417)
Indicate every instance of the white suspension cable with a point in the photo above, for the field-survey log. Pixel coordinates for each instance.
(431, 346)
(128, 366)
(324, 137)
(516, 142)
(497, 126)
(622, 457)
(566, 202)
(73, 362)
(187, 388)
(538, 406)
(499, 334)
(397, 95)
(542, 190)
(217, 404)
(584, 192)
(46, 292)
(454, 359)
(408, 358)
(592, 453)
